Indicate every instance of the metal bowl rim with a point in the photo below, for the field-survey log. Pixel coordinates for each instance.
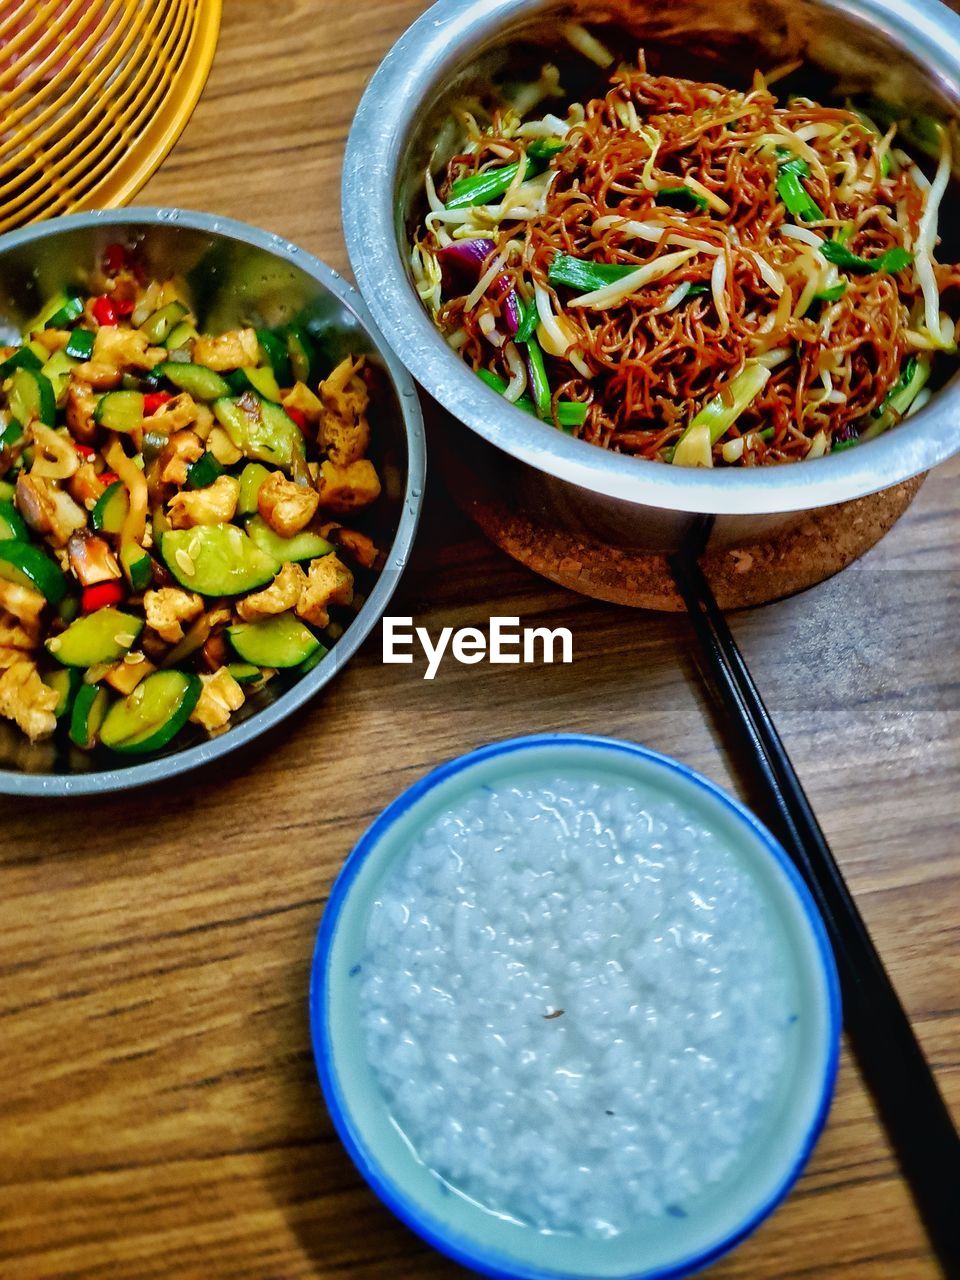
(387, 112)
(109, 780)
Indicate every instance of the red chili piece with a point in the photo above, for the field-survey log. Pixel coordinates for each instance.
(84, 450)
(100, 595)
(104, 312)
(123, 306)
(298, 416)
(115, 259)
(153, 400)
(107, 478)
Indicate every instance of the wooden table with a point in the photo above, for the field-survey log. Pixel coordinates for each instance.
(159, 1112)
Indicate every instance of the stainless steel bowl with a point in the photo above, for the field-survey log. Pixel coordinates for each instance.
(905, 50)
(238, 275)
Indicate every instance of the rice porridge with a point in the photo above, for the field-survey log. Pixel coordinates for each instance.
(574, 1002)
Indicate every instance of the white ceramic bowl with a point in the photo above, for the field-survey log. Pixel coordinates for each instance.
(722, 1215)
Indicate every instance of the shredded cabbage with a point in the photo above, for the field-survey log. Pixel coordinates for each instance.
(587, 44)
(518, 373)
(926, 239)
(718, 286)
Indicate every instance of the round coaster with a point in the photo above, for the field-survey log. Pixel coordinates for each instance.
(789, 560)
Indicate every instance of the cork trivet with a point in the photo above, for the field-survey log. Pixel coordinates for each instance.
(787, 561)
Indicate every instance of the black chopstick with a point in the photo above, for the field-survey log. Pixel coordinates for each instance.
(889, 1055)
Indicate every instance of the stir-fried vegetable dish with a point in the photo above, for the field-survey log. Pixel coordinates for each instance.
(687, 272)
(172, 512)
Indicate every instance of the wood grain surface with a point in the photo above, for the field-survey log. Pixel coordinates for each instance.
(159, 1111)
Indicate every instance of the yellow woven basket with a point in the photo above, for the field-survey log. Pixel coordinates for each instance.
(93, 94)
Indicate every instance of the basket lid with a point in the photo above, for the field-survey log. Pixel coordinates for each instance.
(93, 94)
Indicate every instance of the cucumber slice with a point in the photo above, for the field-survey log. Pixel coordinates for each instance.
(216, 560)
(25, 564)
(302, 546)
(88, 715)
(151, 716)
(57, 372)
(260, 429)
(11, 433)
(31, 397)
(245, 672)
(180, 336)
(304, 361)
(251, 478)
(22, 358)
(273, 351)
(111, 509)
(196, 379)
(65, 682)
(80, 346)
(49, 308)
(158, 326)
(314, 660)
(103, 636)
(281, 641)
(53, 304)
(136, 565)
(11, 524)
(120, 410)
(204, 471)
(67, 314)
(261, 381)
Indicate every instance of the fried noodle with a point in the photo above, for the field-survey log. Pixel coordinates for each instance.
(684, 183)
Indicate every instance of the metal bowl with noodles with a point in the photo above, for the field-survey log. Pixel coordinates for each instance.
(670, 255)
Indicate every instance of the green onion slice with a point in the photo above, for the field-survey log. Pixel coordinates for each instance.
(482, 188)
(585, 276)
(720, 413)
(794, 194)
(539, 383)
(833, 294)
(893, 260)
(680, 196)
(529, 319)
(570, 413)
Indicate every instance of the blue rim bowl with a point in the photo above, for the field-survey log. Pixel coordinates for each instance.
(386, 1160)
